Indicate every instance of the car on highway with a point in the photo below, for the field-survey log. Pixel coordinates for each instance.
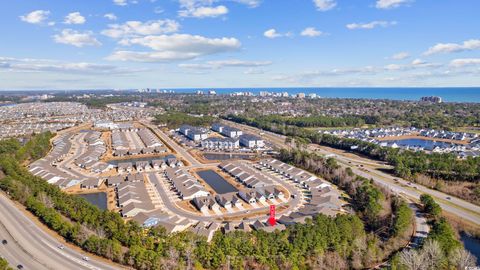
(4, 241)
(61, 247)
(449, 198)
(85, 258)
(19, 266)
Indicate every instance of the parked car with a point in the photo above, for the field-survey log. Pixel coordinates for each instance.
(4, 241)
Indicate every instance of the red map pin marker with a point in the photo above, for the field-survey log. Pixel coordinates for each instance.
(272, 219)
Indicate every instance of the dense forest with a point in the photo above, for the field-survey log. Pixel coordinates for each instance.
(176, 119)
(446, 116)
(320, 121)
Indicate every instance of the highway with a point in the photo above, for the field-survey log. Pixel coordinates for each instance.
(33, 248)
(370, 169)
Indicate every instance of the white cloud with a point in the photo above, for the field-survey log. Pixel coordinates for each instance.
(400, 56)
(415, 64)
(253, 71)
(110, 16)
(392, 67)
(134, 28)
(311, 32)
(175, 47)
(36, 17)
(272, 33)
(74, 18)
(225, 63)
(324, 5)
(370, 25)
(388, 4)
(76, 38)
(418, 62)
(120, 2)
(47, 65)
(250, 3)
(462, 62)
(204, 12)
(468, 45)
(208, 9)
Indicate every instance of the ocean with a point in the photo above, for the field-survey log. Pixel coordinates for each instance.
(448, 94)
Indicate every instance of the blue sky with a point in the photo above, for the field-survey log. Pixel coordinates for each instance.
(92, 44)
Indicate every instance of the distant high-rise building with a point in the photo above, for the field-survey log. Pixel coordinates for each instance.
(301, 95)
(285, 94)
(312, 95)
(199, 92)
(263, 93)
(212, 92)
(433, 99)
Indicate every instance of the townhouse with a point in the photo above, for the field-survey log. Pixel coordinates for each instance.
(193, 133)
(186, 186)
(133, 198)
(220, 143)
(245, 174)
(251, 141)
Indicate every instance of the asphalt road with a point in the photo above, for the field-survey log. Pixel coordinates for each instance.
(421, 226)
(173, 208)
(453, 205)
(34, 248)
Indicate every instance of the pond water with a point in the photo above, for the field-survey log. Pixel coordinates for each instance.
(426, 144)
(217, 182)
(99, 199)
(133, 160)
(218, 156)
(471, 244)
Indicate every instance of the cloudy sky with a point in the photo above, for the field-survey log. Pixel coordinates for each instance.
(99, 44)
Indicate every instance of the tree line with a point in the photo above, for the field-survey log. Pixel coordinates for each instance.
(320, 120)
(176, 119)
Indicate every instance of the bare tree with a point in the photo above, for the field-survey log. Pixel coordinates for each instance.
(462, 259)
(431, 254)
(412, 260)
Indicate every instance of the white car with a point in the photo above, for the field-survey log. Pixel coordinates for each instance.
(85, 258)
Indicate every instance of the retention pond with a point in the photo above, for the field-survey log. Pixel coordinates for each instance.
(217, 182)
(99, 199)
